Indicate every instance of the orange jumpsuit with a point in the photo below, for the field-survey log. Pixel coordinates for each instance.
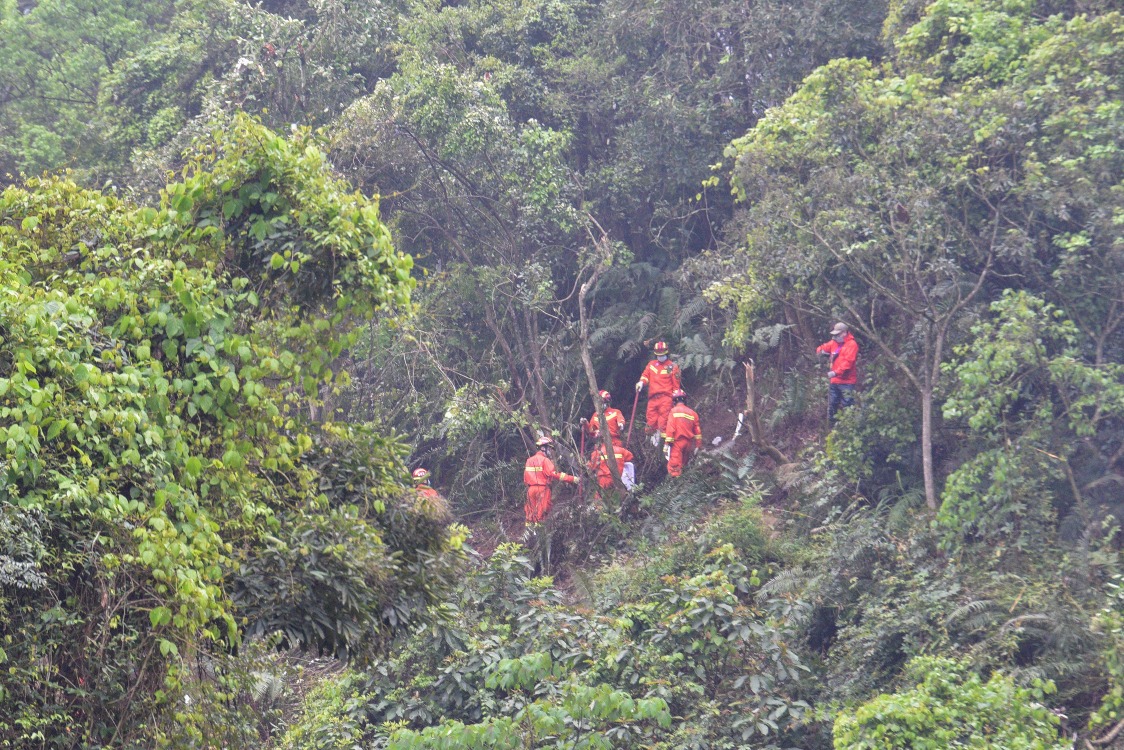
(427, 492)
(538, 474)
(616, 424)
(662, 378)
(683, 435)
(433, 502)
(601, 466)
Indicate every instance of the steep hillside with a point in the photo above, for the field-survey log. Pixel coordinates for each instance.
(304, 248)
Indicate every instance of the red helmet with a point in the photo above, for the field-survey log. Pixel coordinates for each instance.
(678, 394)
(660, 347)
(420, 474)
(544, 441)
(605, 396)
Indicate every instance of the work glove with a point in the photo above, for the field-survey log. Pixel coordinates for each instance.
(639, 385)
(667, 451)
(831, 373)
(583, 422)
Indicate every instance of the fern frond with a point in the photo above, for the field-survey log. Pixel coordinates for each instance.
(688, 312)
(902, 511)
(788, 581)
(267, 687)
(769, 337)
(629, 349)
(972, 608)
(490, 471)
(1032, 622)
(645, 325)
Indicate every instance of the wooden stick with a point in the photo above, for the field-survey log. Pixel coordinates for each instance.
(1111, 735)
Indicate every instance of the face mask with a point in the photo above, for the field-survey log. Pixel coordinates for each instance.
(661, 358)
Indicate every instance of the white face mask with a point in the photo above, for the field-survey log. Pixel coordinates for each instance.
(661, 358)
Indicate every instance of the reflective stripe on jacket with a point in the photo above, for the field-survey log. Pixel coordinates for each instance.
(604, 473)
(661, 377)
(616, 423)
(539, 471)
(682, 424)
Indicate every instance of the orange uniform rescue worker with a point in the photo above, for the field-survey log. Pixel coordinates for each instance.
(538, 474)
(662, 378)
(844, 353)
(683, 434)
(600, 466)
(433, 501)
(421, 484)
(613, 416)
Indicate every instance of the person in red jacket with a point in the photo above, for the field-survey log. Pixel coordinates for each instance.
(683, 435)
(601, 467)
(538, 474)
(843, 351)
(613, 416)
(662, 378)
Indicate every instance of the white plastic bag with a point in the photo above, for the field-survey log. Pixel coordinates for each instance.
(628, 476)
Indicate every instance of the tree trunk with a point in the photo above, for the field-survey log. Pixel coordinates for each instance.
(509, 356)
(927, 446)
(933, 374)
(607, 450)
(532, 322)
(527, 347)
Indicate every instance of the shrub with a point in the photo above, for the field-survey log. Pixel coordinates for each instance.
(952, 707)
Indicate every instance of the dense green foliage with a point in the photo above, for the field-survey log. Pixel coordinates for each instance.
(514, 665)
(952, 708)
(215, 367)
(165, 493)
(904, 197)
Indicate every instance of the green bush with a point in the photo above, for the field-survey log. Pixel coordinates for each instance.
(164, 492)
(950, 708)
(1111, 623)
(334, 716)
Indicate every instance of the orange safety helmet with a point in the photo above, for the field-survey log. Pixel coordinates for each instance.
(420, 474)
(678, 395)
(660, 347)
(544, 441)
(605, 396)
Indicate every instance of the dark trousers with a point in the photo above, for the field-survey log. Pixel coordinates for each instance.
(840, 396)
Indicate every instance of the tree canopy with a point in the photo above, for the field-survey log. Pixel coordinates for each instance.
(161, 467)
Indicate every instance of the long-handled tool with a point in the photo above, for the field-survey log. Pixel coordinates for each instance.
(628, 437)
(580, 473)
